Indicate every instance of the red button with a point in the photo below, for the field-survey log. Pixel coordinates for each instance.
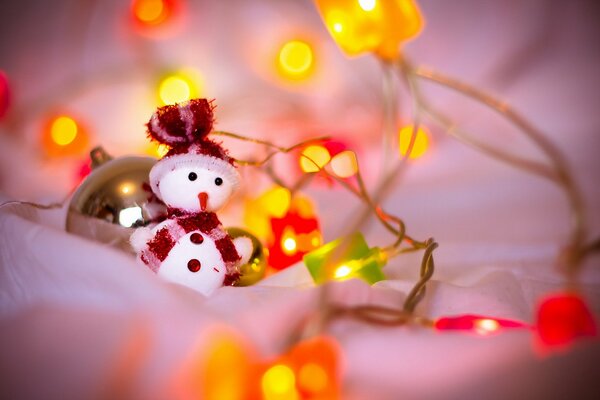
(194, 265)
(197, 238)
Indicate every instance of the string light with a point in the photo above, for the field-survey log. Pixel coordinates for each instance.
(378, 26)
(478, 324)
(314, 158)
(296, 60)
(420, 142)
(179, 86)
(563, 318)
(293, 235)
(355, 260)
(4, 94)
(63, 135)
(344, 164)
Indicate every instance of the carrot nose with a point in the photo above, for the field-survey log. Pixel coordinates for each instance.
(203, 198)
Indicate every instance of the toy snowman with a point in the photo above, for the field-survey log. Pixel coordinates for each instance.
(194, 179)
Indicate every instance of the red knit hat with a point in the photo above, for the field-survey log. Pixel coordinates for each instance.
(184, 127)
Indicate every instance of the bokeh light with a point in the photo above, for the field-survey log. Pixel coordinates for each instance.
(279, 382)
(151, 13)
(180, 86)
(421, 141)
(4, 94)
(157, 150)
(63, 135)
(378, 26)
(345, 164)
(63, 130)
(314, 158)
(296, 60)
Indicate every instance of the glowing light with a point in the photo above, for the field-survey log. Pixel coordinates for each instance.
(342, 272)
(279, 382)
(157, 150)
(4, 94)
(293, 235)
(314, 158)
(289, 246)
(476, 323)
(378, 26)
(129, 216)
(312, 378)
(345, 164)
(152, 13)
(126, 188)
(277, 201)
(63, 130)
(564, 318)
(174, 89)
(296, 60)
(179, 87)
(356, 260)
(367, 5)
(486, 326)
(421, 141)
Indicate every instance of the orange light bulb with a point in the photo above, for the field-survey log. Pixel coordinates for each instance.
(63, 135)
(378, 26)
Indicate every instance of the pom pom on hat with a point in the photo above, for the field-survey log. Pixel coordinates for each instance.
(182, 124)
(185, 127)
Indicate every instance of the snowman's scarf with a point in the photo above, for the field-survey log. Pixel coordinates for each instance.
(178, 224)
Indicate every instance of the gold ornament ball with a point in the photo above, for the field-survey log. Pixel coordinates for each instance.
(113, 200)
(255, 269)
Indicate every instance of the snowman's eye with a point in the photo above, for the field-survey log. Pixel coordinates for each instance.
(192, 176)
(218, 181)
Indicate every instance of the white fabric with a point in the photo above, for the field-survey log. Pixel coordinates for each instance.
(114, 327)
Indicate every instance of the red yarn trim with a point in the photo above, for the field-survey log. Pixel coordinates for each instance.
(204, 221)
(231, 279)
(207, 147)
(202, 110)
(161, 244)
(227, 249)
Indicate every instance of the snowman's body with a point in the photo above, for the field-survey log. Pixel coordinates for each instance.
(195, 263)
(204, 268)
(194, 180)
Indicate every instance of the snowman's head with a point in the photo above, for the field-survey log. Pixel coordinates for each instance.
(197, 174)
(195, 184)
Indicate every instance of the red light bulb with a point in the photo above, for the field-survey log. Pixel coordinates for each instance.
(563, 318)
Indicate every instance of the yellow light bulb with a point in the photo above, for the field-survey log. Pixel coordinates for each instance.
(276, 201)
(174, 89)
(63, 130)
(344, 164)
(295, 60)
(279, 382)
(180, 86)
(314, 158)
(421, 141)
